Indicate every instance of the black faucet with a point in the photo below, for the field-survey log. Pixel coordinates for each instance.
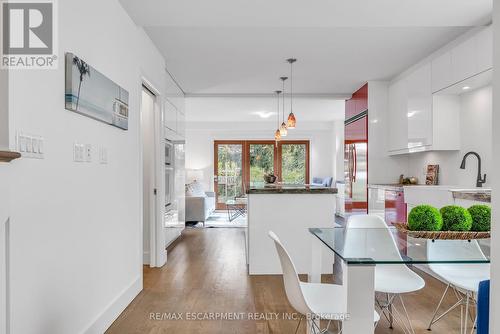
(479, 181)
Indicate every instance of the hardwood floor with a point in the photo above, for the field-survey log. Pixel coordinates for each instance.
(206, 272)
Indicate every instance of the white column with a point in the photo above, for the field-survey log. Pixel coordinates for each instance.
(360, 298)
(495, 200)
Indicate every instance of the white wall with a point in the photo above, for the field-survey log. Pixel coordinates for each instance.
(495, 244)
(76, 228)
(200, 138)
(4, 220)
(4, 105)
(475, 135)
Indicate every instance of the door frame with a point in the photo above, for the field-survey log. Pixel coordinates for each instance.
(221, 206)
(245, 160)
(157, 251)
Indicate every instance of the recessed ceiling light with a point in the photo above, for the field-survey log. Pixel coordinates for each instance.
(263, 113)
(411, 113)
(465, 87)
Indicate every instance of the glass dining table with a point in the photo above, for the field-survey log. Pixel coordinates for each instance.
(360, 250)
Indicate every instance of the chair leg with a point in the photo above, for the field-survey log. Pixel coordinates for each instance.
(466, 320)
(407, 316)
(437, 308)
(391, 316)
(298, 325)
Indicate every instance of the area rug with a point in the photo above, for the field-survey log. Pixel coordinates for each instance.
(221, 219)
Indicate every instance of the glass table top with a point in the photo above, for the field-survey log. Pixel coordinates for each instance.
(389, 246)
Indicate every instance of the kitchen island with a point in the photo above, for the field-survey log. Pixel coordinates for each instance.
(289, 211)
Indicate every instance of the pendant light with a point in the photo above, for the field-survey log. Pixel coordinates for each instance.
(283, 129)
(291, 117)
(277, 134)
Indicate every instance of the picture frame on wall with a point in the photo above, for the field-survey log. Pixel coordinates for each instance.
(90, 93)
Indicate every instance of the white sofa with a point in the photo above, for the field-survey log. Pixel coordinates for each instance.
(200, 204)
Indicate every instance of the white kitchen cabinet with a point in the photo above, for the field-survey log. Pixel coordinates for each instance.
(419, 120)
(467, 59)
(419, 107)
(398, 120)
(484, 49)
(463, 60)
(442, 73)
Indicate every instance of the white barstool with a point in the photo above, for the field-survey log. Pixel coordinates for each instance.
(463, 279)
(391, 279)
(317, 301)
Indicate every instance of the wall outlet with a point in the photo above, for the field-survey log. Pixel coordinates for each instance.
(88, 153)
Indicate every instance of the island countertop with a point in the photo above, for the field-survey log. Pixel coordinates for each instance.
(291, 189)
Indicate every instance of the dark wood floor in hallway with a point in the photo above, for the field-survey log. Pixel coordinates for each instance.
(206, 273)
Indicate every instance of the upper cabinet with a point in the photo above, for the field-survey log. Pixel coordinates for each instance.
(419, 107)
(484, 54)
(463, 60)
(470, 57)
(398, 121)
(173, 111)
(423, 115)
(442, 72)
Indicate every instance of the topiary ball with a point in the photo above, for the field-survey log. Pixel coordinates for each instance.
(481, 218)
(424, 218)
(456, 218)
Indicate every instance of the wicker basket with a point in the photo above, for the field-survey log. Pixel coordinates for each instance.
(442, 235)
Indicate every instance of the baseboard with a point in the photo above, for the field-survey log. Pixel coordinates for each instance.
(114, 309)
(145, 257)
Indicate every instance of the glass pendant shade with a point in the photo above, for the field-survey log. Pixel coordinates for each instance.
(283, 130)
(291, 121)
(277, 135)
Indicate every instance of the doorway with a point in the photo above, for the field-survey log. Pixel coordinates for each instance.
(239, 164)
(154, 253)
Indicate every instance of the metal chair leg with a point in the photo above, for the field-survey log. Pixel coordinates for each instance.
(437, 308)
(298, 325)
(391, 317)
(406, 314)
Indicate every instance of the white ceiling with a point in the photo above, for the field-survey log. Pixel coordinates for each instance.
(239, 46)
(239, 109)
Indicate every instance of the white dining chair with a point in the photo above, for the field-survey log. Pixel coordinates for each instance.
(392, 280)
(316, 301)
(463, 279)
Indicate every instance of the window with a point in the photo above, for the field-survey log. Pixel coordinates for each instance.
(239, 163)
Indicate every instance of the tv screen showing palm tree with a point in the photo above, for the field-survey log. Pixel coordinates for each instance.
(91, 93)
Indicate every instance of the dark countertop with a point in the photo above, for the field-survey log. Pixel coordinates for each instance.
(479, 196)
(291, 189)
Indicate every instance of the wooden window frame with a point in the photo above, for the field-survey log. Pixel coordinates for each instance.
(246, 160)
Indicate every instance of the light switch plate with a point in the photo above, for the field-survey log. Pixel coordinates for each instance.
(30, 146)
(78, 155)
(103, 155)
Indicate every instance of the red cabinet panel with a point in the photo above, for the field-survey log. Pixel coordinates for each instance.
(357, 103)
(356, 131)
(362, 99)
(395, 207)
